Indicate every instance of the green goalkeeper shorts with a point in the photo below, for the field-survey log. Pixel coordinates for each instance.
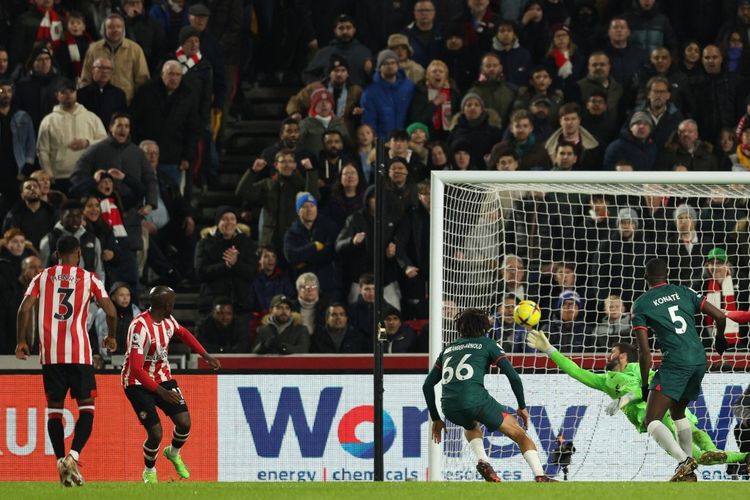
(679, 382)
(491, 414)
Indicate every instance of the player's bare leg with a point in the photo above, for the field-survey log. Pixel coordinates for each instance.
(510, 428)
(475, 437)
(656, 407)
(179, 437)
(151, 452)
(56, 434)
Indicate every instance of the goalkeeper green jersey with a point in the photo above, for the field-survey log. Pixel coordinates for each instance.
(462, 366)
(615, 385)
(669, 311)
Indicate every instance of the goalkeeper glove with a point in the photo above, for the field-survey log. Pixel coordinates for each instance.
(537, 340)
(619, 403)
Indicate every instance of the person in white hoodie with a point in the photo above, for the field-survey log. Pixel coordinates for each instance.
(65, 134)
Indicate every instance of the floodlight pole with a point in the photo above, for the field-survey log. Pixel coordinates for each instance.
(379, 331)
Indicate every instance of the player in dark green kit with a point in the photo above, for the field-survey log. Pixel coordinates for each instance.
(461, 368)
(669, 311)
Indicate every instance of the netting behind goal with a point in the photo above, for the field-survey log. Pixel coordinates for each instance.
(578, 248)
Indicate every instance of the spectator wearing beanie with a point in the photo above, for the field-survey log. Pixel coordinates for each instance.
(473, 125)
(225, 263)
(634, 146)
(346, 95)
(385, 102)
(310, 246)
(321, 119)
(401, 337)
(35, 93)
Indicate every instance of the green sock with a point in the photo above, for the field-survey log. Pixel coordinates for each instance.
(736, 457)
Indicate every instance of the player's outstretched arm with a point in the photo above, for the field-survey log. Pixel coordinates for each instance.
(538, 340)
(23, 319)
(189, 340)
(738, 316)
(515, 381)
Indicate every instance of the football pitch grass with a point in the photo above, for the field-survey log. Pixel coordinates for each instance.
(406, 490)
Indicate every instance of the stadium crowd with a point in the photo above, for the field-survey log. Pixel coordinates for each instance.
(111, 114)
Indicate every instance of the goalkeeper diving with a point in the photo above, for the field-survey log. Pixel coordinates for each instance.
(622, 382)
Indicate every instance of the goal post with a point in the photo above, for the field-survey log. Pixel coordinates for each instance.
(478, 218)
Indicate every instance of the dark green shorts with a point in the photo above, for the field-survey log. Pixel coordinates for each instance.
(491, 414)
(679, 382)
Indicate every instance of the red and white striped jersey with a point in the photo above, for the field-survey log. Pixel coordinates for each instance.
(151, 341)
(64, 294)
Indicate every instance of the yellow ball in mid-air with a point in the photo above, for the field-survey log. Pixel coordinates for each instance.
(527, 314)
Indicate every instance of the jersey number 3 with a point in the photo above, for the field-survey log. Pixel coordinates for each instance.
(677, 320)
(462, 370)
(66, 308)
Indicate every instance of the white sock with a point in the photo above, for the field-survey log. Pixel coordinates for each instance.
(173, 451)
(149, 469)
(664, 438)
(477, 446)
(74, 454)
(532, 458)
(684, 435)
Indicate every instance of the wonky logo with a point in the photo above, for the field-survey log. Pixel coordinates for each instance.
(348, 431)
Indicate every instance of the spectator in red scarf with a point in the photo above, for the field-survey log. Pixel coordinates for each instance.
(719, 289)
(69, 55)
(40, 24)
(565, 63)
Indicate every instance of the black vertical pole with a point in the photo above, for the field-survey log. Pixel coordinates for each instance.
(377, 372)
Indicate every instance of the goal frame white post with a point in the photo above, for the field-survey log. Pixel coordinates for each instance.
(439, 179)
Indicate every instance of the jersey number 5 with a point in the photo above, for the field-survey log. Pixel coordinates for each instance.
(66, 308)
(462, 370)
(677, 320)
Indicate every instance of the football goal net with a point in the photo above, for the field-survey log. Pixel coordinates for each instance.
(577, 243)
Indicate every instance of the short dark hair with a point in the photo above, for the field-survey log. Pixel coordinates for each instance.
(628, 349)
(267, 248)
(75, 14)
(283, 152)
(288, 121)
(367, 279)
(331, 132)
(656, 268)
(520, 114)
(117, 116)
(568, 108)
(332, 305)
(472, 323)
(566, 145)
(67, 245)
(398, 134)
(71, 204)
